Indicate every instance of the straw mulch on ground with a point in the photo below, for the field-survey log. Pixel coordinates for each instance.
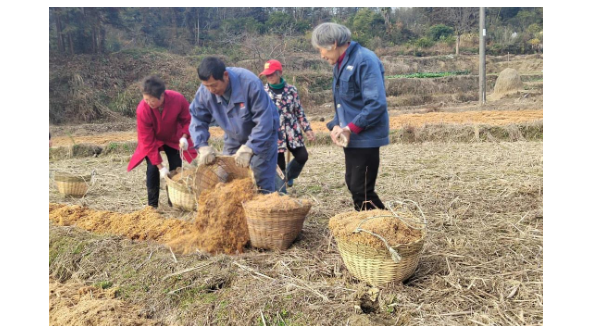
(482, 262)
(75, 304)
(145, 224)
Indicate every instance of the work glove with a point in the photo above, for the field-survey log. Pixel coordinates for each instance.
(207, 155)
(340, 136)
(164, 172)
(183, 144)
(243, 156)
(343, 140)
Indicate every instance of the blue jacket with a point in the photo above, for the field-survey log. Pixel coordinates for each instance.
(250, 117)
(359, 97)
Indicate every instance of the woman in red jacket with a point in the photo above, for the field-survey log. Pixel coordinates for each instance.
(163, 125)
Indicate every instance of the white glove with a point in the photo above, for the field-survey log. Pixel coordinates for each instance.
(207, 155)
(164, 172)
(183, 144)
(243, 156)
(342, 140)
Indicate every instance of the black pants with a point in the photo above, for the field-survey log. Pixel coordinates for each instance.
(300, 154)
(153, 178)
(362, 166)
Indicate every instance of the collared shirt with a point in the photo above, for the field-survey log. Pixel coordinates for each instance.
(249, 118)
(359, 98)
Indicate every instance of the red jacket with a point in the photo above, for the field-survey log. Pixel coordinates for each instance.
(156, 129)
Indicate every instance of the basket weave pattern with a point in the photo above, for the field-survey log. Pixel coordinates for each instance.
(275, 228)
(181, 196)
(73, 186)
(376, 266)
(223, 170)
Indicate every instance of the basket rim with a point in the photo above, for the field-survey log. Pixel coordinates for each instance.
(306, 205)
(176, 186)
(63, 177)
(395, 246)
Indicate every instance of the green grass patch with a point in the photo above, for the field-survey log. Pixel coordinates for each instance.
(104, 284)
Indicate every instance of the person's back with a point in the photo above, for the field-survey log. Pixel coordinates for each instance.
(236, 100)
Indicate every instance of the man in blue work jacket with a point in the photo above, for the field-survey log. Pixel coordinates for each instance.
(235, 98)
(361, 122)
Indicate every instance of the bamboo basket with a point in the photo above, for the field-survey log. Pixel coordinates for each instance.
(223, 170)
(73, 186)
(391, 264)
(181, 195)
(275, 228)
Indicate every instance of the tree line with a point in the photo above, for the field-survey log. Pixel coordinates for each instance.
(92, 30)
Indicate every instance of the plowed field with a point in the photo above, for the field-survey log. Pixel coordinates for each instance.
(415, 120)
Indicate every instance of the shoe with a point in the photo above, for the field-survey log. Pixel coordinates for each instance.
(290, 182)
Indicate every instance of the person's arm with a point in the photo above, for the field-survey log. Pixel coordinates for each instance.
(200, 120)
(263, 110)
(146, 137)
(373, 95)
(184, 118)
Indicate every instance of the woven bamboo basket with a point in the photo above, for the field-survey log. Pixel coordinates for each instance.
(376, 266)
(72, 186)
(275, 228)
(391, 264)
(223, 170)
(181, 195)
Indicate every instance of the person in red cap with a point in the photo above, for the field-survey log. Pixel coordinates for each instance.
(163, 125)
(293, 121)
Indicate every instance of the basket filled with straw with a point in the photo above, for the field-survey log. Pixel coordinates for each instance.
(381, 247)
(274, 220)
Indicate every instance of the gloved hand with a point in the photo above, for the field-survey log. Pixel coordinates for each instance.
(335, 133)
(243, 156)
(183, 144)
(341, 136)
(343, 140)
(164, 172)
(207, 155)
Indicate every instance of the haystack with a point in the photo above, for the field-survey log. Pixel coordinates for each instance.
(508, 83)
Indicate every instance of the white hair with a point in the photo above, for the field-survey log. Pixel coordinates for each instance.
(326, 34)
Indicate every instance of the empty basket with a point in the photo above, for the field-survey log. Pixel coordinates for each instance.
(73, 186)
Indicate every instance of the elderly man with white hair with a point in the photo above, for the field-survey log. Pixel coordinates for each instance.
(361, 122)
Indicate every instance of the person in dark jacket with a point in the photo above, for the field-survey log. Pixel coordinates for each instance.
(361, 122)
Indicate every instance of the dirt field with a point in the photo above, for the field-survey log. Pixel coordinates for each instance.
(397, 121)
(482, 262)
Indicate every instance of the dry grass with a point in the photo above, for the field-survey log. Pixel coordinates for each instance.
(482, 263)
